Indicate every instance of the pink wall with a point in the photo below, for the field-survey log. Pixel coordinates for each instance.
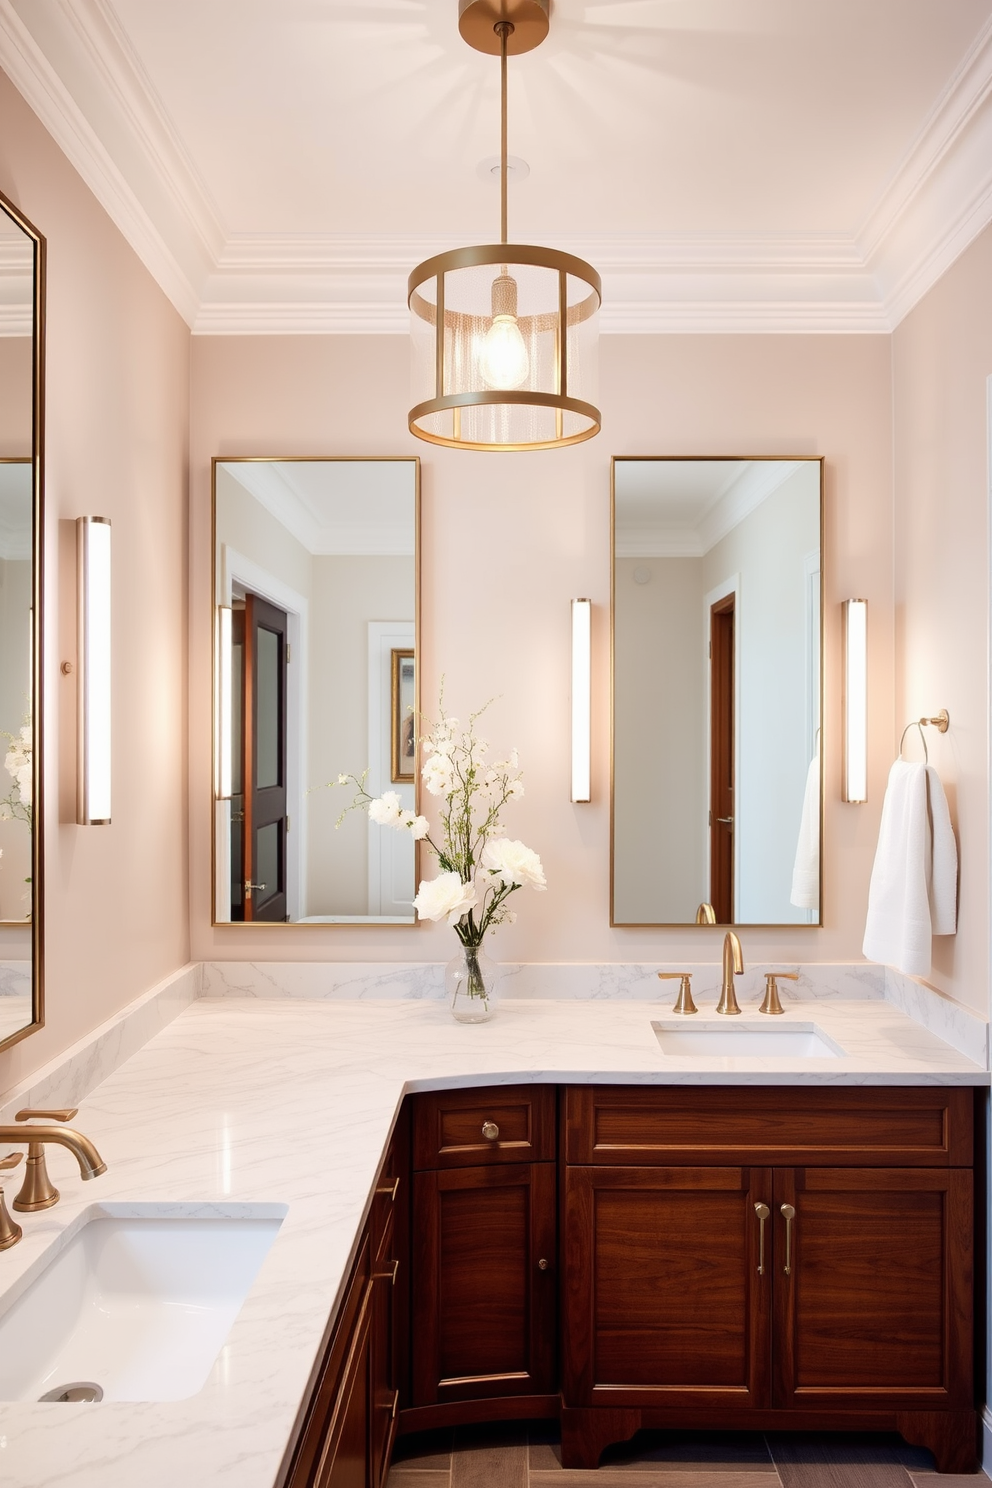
(118, 406)
(942, 359)
(508, 540)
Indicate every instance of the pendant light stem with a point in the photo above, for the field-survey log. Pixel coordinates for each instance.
(504, 30)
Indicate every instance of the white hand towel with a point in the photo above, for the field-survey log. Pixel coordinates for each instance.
(944, 875)
(899, 923)
(806, 870)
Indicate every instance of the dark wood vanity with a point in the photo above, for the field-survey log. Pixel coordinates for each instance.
(620, 1257)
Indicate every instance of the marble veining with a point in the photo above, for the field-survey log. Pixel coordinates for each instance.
(579, 981)
(65, 1080)
(15, 979)
(958, 1026)
(208, 1114)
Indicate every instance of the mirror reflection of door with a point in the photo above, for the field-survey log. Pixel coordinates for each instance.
(262, 726)
(722, 619)
(712, 749)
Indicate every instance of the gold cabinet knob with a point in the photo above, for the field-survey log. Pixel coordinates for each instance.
(490, 1131)
(542, 1264)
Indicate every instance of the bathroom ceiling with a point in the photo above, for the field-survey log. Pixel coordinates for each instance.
(281, 165)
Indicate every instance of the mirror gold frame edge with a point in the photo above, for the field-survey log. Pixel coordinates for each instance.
(683, 924)
(40, 247)
(216, 460)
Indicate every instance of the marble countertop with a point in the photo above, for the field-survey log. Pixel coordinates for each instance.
(254, 1103)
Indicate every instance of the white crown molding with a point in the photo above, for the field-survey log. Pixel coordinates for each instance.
(36, 79)
(754, 482)
(271, 483)
(938, 199)
(16, 320)
(122, 77)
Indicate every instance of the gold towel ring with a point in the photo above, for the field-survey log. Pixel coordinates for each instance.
(941, 723)
(916, 723)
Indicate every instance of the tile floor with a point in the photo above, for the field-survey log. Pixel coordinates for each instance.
(522, 1456)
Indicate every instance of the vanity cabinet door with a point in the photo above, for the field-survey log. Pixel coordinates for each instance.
(484, 1278)
(667, 1299)
(872, 1290)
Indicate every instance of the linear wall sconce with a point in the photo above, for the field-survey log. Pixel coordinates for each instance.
(224, 722)
(855, 787)
(93, 671)
(581, 700)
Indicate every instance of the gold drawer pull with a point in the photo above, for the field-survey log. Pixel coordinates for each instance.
(390, 1188)
(490, 1131)
(390, 1275)
(762, 1211)
(789, 1213)
(395, 1405)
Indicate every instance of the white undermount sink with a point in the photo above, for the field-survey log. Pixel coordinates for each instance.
(745, 1041)
(138, 1306)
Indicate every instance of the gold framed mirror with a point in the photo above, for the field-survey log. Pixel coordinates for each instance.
(22, 342)
(717, 635)
(316, 603)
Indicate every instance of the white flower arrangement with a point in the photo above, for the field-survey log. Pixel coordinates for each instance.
(17, 804)
(480, 867)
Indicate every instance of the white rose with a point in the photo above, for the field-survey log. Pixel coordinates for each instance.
(513, 863)
(418, 825)
(438, 774)
(386, 810)
(445, 898)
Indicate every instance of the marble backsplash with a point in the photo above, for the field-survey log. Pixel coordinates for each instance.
(956, 1025)
(71, 1075)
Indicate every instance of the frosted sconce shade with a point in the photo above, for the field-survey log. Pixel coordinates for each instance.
(93, 669)
(855, 700)
(581, 699)
(224, 721)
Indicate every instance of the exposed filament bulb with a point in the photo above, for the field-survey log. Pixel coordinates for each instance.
(503, 361)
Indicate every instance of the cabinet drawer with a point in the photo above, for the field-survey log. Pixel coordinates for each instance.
(465, 1128)
(919, 1127)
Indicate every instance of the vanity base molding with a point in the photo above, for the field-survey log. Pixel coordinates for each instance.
(952, 1436)
(479, 1412)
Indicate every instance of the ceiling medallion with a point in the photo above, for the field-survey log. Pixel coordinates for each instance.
(504, 335)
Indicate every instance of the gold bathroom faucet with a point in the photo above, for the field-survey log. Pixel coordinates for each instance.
(733, 965)
(37, 1190)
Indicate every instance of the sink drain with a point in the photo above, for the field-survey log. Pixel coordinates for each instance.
(79, 1390)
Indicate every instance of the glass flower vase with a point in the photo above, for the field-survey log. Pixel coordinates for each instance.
(471, 981)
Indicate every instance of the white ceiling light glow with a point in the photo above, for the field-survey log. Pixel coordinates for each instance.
(504, 335)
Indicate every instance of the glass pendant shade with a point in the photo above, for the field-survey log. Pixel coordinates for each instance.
(504, 348)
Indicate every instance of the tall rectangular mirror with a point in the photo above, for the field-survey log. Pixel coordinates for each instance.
(717, 623)
(22, 285)
(316, 605)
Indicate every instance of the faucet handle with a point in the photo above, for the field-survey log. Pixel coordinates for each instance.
(10, 1232)
(772, 1004)
(684, 1002)
(38, 1191)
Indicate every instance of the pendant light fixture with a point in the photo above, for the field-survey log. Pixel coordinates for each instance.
(504, 335)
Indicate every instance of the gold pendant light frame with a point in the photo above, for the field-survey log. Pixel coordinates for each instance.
(558, 377)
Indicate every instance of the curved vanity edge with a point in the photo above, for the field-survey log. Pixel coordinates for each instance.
(252, 1077)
